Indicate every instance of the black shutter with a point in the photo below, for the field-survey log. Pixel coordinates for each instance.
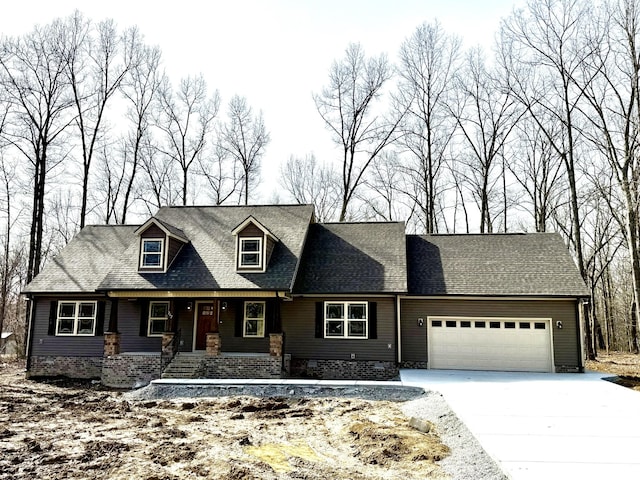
(239, 318)
(144, 317)
(100, 319)
(268, 317)
(319, 319)
(373, 320)
(53, 316)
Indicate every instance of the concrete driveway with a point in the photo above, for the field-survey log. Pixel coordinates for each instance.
(545, 426)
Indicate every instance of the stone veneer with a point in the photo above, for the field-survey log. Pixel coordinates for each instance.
(343, 369)
(262, 366)
(422, 365)
(129, 370)
(72, 367)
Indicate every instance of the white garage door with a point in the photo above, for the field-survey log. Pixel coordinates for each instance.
(490, 344)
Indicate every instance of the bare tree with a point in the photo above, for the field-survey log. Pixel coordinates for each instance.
(538, 170)
(385, 191)
(185, 119)
(611, 79)
(310, 182)
(223, 174)
(97, 59)
(140, 89)
(486, 115)
(428, 61)
(245, 138)
(348, 106)
(543, 47)
(33, 75)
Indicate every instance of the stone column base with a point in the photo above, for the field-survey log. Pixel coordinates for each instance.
(276, 341)
(111, 344)
(214, 344)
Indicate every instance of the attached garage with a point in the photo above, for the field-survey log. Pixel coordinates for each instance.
(480, 343)
(491, 302)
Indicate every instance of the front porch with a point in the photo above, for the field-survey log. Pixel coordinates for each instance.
(131, 369)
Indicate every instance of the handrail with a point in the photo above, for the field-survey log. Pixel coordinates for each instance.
(168, 352)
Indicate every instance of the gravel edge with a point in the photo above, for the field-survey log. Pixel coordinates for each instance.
(467, 460)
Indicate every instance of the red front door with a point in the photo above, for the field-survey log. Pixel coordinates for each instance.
(207, 321)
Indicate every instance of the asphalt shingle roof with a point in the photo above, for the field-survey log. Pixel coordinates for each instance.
(84, 262)
(106, 257)
(536, 264)
(354, 258)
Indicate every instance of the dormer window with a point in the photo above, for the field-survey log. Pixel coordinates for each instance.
(152, 253)
(250, 253)
(254, 246)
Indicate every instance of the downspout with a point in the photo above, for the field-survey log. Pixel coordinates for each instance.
(31, 310)
(398, 331)
(581, 305)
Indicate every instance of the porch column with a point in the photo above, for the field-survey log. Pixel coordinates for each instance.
(111, 344)
(213, 344)
(275, 344)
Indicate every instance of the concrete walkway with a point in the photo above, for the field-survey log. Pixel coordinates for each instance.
(545, 426)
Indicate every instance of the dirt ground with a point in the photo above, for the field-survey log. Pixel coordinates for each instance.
(626, 366)
(65, 429)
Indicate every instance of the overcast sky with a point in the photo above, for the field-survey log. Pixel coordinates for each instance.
(275, 53)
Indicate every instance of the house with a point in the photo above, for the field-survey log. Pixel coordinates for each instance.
(265, 291)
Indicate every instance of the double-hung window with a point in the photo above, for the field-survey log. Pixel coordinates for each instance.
(345, 319)
(250, 252)
(158, 316)
(253, 325)
(76, 318)
(152, 253)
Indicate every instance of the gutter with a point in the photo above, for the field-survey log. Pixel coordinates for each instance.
(31, 323)
(398, 330)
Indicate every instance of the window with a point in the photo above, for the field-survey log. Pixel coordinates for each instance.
(76, 318)
(345, 319)
(451, 323)
(158, 316)
(480, 324)
(254, 319)
(465, 324)
(151, 255)
(250, 253)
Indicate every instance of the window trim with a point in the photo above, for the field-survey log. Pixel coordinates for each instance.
(345, 320)
(76, 318)
(262, 321)
(260, 252)
(150, 318)
(161, 253)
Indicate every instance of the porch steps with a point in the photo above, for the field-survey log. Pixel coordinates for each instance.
(185, 365)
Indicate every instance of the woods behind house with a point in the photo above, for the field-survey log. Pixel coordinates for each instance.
(540, 133)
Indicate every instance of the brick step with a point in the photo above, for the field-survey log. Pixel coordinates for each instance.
(184, 366)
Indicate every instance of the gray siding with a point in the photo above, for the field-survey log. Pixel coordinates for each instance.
(185, 324)
(566, 348)
(173, 249)
(298, 324)
(44, 344)
(129, 328)
(231, 343)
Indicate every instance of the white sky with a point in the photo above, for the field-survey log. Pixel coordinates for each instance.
(275, 53)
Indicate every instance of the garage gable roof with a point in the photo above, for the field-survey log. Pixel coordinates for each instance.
(534, 264)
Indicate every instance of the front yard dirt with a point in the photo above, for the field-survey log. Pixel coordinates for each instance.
(69, 430)
(625, 366)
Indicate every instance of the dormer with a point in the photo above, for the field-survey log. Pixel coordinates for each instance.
(254, 245)
(159, 245)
